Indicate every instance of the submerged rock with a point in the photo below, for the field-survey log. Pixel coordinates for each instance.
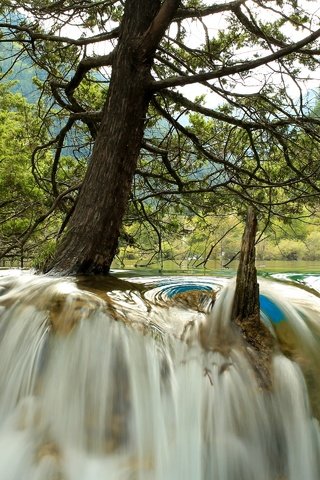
(67, 310)
(198, 299)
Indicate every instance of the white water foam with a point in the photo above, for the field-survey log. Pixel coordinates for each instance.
(103, 400)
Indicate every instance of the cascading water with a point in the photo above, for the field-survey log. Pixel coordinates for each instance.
(115, 385)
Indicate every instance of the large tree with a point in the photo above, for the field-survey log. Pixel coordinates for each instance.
(251, 149)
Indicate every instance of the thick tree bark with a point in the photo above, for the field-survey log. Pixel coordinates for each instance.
(258, 340)
(90, 243)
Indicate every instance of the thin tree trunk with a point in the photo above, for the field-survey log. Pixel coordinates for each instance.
(259, 342)
(90, 242)
(246, 298)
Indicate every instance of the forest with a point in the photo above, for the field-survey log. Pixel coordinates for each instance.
(228, 118)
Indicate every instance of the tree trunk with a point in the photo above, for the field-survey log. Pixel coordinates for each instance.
(259, 342)
(91, 239)
(246, 299)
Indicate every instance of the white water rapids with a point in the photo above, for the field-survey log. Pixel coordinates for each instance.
(113, 384)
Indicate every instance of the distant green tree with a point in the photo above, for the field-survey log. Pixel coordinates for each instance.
(30, 213)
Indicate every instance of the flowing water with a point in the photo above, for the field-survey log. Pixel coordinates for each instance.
(108, 379)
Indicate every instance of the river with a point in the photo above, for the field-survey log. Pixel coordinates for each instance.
(109, 379)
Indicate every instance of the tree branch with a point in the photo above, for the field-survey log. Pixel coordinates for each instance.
(252, 27)
(59, 39)
(155, 32)
(157, 85)
(204, 262)
(238, 122)
(165, 159)
(84, 66)
(184, 13)
(180, 99)
(25, 237)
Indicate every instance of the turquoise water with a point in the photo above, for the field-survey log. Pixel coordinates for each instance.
(214, 267)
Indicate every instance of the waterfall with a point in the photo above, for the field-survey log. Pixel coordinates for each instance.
(114, 383)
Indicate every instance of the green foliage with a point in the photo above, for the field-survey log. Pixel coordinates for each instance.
(204, 163)
(292, 249)
(312, 243)
(44, 254)
(23, 200)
